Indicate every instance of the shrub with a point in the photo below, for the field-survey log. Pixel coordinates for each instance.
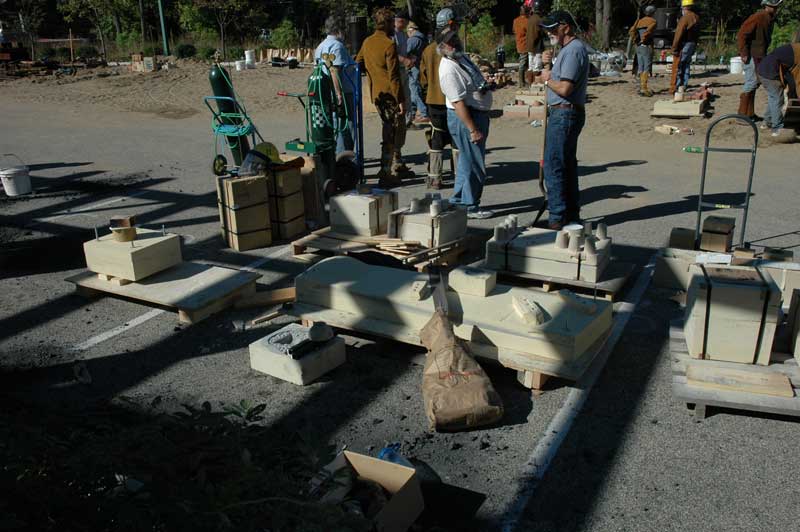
(234, 52)
(482, 37)
(48, 53)
(206, 52)
(152, 50)
(784, 34)
(86, 52)
(284, 36)
(185, 50)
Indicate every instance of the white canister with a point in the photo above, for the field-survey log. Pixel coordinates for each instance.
(737, 65)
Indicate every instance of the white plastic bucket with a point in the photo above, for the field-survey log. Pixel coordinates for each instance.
(240, 65)
(737, 65)
(250, 58)
(16, 180)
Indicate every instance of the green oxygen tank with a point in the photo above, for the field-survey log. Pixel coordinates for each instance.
(320, 103)
(222, 86)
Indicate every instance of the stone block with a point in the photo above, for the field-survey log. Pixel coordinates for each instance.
(472, 281)
(429, 229)
(150, 253)
(289, 355)
(681, 238)
(362, 214)
(731, 314)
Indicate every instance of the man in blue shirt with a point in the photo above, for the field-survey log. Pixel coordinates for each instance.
(566, 96)
(416, 44)
(343, 76)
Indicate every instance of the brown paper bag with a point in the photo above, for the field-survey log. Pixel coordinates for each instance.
(457, 392)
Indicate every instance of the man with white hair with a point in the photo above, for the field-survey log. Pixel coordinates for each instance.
(343, 76)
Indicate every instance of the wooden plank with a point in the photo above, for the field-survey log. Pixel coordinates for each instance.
(736, 400)
(741, 380)
(190, 286)
(196, 315)
(270, 297)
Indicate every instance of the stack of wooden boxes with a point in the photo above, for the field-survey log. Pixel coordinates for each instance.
(286, 203)
(717, 234)
(244, 212)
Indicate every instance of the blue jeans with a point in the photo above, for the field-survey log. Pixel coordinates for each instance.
(644, 58)
(416, 92)
(774, 116)
(685, 64)
(751, 81)
(344, 140)
(471, 170)
(561, 164)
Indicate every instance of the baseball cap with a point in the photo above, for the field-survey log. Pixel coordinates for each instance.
(555, 18)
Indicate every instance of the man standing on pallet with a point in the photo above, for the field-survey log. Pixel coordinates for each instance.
(535, 36)
(438, 136)
(566, 97)
(378, 55)
(684, 45)
(642, 34)
(753, 41)
(520, 28)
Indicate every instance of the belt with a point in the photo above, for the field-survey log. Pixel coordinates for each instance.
(573, 106)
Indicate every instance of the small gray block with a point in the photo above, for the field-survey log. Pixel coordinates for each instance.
(325, 358)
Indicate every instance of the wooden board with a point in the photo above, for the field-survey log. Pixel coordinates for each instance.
(536, 369)
(738, 379)
(268, 298)
(615, 277)
(193, 290)
(703, 397)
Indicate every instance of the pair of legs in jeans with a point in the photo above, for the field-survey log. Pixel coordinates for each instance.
(561, 164)
(682, 67)
(416, 94)
(774, 115)
(344, 140)
(471, 169)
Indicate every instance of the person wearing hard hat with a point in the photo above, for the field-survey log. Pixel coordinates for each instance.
(642, 33)
(753, 41)
(438, 136)
(684, 45)
(535, 36)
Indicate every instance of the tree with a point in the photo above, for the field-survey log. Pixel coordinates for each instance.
(31, 16)
(223, 12)
(95, 11)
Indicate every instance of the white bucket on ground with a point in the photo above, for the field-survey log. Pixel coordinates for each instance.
(240, 65)
(737, 65)
(250, 58)
(16, 180)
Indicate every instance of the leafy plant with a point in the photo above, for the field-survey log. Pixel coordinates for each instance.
(86, 52)
(235, 52)
(185, 50)
(285, 35)
(483, 37)
(206, 52)
(152, 50)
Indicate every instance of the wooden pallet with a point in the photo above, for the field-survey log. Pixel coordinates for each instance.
(328, 241)
(532, 371)
(701, 397)
(195, 291)
(616, 276)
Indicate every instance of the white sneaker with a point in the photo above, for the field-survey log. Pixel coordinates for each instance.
(775, 133)
(480, 214)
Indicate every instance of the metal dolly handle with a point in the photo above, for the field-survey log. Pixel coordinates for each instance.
(706, 149)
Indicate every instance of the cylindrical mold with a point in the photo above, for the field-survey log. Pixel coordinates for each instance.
(574, 242)
(562, 240)
(436, 207)
(589, 248)
(416, 206)
(602, 231)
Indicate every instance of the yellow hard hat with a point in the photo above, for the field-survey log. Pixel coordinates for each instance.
(268, 150)
(687, 3)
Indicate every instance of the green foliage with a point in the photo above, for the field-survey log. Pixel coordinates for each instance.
(483, 37)
(784, 34)
(63, 53)
(86, 52)
(152, 50)
(196, 470)
(185, 50)
(206, 52)
(235, 53)
(48, 53)
(284, 36)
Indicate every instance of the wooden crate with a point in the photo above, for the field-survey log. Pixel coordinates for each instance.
(194, 290)
(730, 395)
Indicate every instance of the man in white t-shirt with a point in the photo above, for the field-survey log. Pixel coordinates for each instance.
(468, 102)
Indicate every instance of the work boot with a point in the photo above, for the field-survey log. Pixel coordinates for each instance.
(643, 81)
(435, 161)
(744, 104)
(388, 179)
(398, 165)
(751, 107)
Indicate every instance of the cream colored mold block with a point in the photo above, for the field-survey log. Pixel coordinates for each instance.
(150, 253)
(535, 250)
(362, 214)
(360, 293)
(433, 230)
(734, 311)
(302, 371)
(473, 281)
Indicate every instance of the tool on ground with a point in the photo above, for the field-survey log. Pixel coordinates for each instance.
(542, 186)
(230, 120)
(745, 207)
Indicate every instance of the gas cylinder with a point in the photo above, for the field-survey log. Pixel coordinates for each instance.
(222, 86)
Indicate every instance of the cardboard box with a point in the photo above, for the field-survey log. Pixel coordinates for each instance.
(244, 212)
(732, 313)
(150, 253)
(719, 224)
(290, 229)
(286, 208)
(362, 214)
(681, 238)
(405, 504)
(716, 242)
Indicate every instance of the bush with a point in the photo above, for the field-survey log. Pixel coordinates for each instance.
(48, 53)
(234, 53)
(152, 50)
(284, 36)
(482, 37)
(206, 52)
(86, 52)
(185, 50)
(63, 53)
(784, 34)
